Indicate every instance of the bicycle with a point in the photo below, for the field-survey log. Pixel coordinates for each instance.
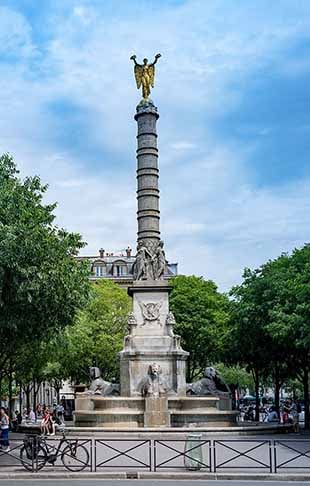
(36, 453)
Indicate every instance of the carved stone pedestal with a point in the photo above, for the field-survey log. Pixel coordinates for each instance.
(152, 341)
(156, 412)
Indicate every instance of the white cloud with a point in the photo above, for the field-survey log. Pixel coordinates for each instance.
(183, 145)
(15, 34)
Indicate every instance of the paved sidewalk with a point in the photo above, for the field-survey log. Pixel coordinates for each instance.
(151, 477)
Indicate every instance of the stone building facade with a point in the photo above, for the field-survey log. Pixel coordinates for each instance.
(118, 266)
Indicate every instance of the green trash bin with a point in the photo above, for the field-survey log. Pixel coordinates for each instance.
(193, 449)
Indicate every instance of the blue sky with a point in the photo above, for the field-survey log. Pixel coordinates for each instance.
(232, 89)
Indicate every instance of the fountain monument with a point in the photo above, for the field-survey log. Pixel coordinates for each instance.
(153, 390)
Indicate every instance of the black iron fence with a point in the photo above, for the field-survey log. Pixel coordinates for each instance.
(124, 454)
(242, 455)
(80, 455)
(192, 454)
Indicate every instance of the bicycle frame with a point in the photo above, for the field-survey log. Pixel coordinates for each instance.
(53, 457)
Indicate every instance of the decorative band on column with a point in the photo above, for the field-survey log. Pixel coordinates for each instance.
(147, 133)
(145, 171)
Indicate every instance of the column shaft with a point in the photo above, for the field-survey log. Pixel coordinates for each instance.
(148, 214)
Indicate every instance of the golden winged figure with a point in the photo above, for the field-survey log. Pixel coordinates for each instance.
(145, 74)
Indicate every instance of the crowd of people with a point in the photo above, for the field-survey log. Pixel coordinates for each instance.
(289, 413)
(47, 417)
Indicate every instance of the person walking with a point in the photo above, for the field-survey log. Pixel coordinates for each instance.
(4, 426)
(60, 414)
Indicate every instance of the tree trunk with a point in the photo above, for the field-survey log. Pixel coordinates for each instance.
(57, 387)
(256, 381)
(20, 399)
(277, 385)
(10, 392)
(27, 393)
(36, 387)
(306, 397)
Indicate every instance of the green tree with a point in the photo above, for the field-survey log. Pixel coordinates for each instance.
(270, 315)
(41, 284)
(289, 323)
(202, 318)
(251, 342)
(248, 342)
(236, 375)
(98, 333)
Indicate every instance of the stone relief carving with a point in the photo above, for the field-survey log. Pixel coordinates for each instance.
(131, 323)
(150, 263)
(154, 385)
(141, 266)
(151, 312)
(99, 386)
(159, 262)
(210, 384)
(170, 322)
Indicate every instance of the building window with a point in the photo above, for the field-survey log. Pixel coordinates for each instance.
(99, 271)
(120, 270)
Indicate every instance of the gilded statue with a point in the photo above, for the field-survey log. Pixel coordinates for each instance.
(144, 75)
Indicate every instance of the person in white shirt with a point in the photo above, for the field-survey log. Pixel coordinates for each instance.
(272, 415)
(4, 426)
(32, 415)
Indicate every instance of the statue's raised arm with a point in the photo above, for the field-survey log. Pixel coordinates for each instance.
(145, 75)
(156, 59)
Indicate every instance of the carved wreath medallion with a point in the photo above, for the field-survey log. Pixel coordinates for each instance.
(150, 312)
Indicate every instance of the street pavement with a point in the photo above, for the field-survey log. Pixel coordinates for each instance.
(144, 482)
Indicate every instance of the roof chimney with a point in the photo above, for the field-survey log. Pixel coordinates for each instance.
(128, 252)
(101, 253)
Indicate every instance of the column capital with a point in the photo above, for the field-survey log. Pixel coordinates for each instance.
(146, 107)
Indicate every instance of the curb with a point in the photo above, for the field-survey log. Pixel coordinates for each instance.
(158, 475)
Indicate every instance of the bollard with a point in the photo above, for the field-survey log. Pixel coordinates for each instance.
(193, 458)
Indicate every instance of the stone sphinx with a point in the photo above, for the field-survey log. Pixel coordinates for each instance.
(154, 385)
(211, 384)
(99, 386)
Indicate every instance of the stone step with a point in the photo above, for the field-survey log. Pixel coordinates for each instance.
(118, 403)
(193, 403)
(119, 418)
(209, 418)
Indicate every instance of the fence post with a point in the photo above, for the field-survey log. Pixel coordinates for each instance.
(155, 458)
(275, 456)
(270, 456)
(214, 456)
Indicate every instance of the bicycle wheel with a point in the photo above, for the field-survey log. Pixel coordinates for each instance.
(75, 457)
(39, 458)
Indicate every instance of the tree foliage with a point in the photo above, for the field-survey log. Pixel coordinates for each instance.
(41, 284)
(271, 320)
(98, 333)
(202, 318)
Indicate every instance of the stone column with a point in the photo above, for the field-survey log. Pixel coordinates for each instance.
(151, 339)
(147, 176)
